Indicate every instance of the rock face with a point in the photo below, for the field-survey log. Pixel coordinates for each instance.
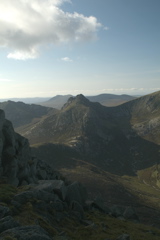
(27, 233)
(76, 192)
(16, 163)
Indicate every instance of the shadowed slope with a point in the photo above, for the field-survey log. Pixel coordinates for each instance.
(104, 136)
(21, 114)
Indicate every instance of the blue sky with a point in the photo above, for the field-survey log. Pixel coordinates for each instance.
(91, 47)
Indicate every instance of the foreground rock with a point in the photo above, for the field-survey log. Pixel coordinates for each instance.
(16, 161)
(45, 203)
(8, 223)
(27, 233)
(37, 210)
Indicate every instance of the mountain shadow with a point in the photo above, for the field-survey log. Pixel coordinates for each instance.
(105, 137)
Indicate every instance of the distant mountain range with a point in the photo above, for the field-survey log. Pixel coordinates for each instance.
(59, 100)
(56, 102)
(120, 139)
(104, 99)
(110, 100)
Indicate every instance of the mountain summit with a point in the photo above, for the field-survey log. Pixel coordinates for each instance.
(106, 137)
(79, 99)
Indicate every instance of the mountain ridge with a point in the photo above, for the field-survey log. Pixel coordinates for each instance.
(144, 115)
(104, 99)
(20, 113)
(106, 136)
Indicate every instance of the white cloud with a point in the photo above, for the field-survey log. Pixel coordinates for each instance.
(23, 55)
(67, 59)
(25, 25)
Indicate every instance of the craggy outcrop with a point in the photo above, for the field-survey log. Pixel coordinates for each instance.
(16, 162)
(39, 211)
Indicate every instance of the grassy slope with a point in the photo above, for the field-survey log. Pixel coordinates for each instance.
(125, 190)
(151, 176)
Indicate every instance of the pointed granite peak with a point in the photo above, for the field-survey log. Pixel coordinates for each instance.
(79, 99)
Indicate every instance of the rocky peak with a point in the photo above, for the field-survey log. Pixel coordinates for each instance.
(79, 99)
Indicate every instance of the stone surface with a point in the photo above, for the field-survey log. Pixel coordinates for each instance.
(117, 211)
(77, 209)
(23, 197)
(16, 161)
(44, 195)
(45, 172)
(76, 192)
(99, 204)
(130, 214)
(57, 205)
(4, 211)
(54, 186)
(8, 223)
(27, 233)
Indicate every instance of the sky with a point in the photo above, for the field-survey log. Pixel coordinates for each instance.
(59, 47)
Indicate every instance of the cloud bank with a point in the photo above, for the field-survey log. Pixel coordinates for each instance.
(26, 25)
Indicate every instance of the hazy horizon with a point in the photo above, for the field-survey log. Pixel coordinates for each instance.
(49, 97)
